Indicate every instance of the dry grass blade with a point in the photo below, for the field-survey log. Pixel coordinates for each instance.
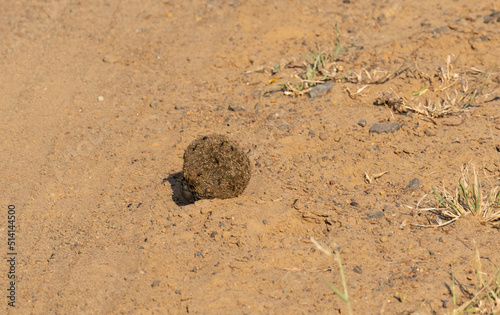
(487, 299)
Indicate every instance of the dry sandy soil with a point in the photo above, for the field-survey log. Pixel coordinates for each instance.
(99, 99)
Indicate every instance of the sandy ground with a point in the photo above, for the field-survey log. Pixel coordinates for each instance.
(99, 99)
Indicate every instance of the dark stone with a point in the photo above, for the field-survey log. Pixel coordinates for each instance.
(155, 283)
(414, 184)
(215, 167)
(321, 89)
(362, 123)
(388, 127)
(495, 16)
(357, 269)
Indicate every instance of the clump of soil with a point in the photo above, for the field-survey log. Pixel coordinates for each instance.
(216, 167)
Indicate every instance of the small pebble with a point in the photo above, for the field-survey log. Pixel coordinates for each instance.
(100, 98)
(389, 127)
(177, 291)
(320, 89)
(153, 104)
(357, 269)
(235, 108)
(362, 123)
(111, 59)
(414, 184)
(429, 132)
(155, 283)
(376, 215)
(264, 221)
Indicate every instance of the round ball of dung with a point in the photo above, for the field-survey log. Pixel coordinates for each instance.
(216, 167)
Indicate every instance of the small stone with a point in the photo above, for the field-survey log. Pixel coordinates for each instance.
(323, 136)
(111, 59)
(495, 16)
(357, 269)
(264, 222)
(376, 215)
(235, 108)
(362, 123)
(414, 184)
(214, 234)
(388, 127)
(100, 98)
(153, 104)
(429, 132)
(321, 89)
(155, 283)
(354, 204)
(177, 291)
(384, 239)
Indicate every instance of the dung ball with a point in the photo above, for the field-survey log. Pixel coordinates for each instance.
(215, 167)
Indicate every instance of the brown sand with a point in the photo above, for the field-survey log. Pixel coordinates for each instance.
(100, 99)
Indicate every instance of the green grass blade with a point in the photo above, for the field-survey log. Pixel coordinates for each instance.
(453, 288)
(309, 74)
(422, 90)
(337, 291)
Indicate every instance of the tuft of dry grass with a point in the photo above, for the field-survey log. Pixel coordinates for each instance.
(448, 90)
(322, 65)
(469, 198)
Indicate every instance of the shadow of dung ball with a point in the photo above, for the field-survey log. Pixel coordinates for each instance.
(216, 167)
